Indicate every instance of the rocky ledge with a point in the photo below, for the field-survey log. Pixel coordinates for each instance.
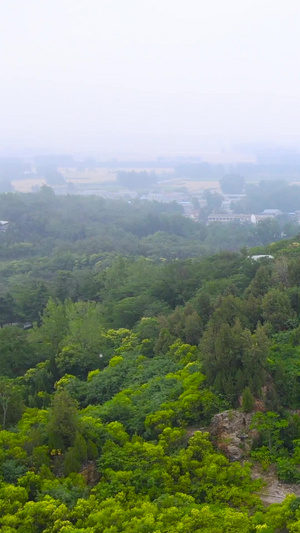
(231, 433)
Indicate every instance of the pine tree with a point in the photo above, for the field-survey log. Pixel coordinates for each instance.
(63, 422)
(247, 400)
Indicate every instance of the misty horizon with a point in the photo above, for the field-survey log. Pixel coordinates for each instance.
(102, 77)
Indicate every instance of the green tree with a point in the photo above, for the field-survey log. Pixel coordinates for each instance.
(63, 422)
(247, 400)
(7, 309)
(277, 309)
(234, 358)
(54, 326)
(261, 282)
(11, 401)
(269, 425)
(232, 184)
(16, 354)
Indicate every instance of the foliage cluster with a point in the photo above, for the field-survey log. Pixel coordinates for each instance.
(105, 400)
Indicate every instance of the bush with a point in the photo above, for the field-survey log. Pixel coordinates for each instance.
(287, 471)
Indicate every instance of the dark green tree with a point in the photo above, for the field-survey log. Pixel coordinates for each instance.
(232, 184)
(277, 309)
(63, 422)
(247, 400)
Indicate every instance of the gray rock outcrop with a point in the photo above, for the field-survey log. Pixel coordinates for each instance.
(231, 433)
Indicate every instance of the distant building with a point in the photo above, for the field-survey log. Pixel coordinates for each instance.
(165, 197)
(239, 218)
(296, 216)
(4, 225)
(260, 218)
(189, 210)
(257, 257)
(228, 199)
(233, 197)
(272, 212)
(226, 217)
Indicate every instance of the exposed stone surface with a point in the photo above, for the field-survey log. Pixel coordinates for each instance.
(90, 474)
(273, 491)
(231, 434)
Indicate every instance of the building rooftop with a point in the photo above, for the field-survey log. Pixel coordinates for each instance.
(272, 212)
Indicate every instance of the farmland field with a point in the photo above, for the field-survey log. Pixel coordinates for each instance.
(108, 177)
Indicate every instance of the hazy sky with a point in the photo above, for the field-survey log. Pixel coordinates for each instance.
(148, 75)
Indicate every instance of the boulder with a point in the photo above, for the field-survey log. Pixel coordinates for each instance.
(231, 433)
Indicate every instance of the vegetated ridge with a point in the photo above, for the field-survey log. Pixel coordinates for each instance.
(125, 355)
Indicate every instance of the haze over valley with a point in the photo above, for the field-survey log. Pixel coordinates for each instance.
(150, 266)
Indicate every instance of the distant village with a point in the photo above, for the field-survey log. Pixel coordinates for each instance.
(198, 188)
(193, 203)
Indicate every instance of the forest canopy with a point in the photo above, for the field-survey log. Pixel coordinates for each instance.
(121, 337)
